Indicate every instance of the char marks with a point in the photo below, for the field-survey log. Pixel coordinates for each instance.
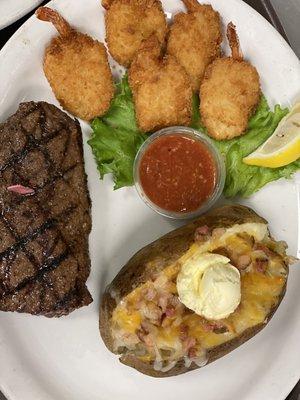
(44, 259)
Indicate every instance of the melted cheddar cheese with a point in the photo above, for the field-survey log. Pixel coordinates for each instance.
(260, 293)
(130, 321)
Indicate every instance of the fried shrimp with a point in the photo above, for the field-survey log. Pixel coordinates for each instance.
(195, 38)
(161, 88)
(128, 22)
(229, 93)
(77, 69)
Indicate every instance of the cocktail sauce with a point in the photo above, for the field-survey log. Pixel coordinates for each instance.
(177, 173)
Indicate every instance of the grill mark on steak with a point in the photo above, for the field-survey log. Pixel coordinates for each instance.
(33, 278)
(10, 257)
(21, 242)
(32, 145)
(41, 272)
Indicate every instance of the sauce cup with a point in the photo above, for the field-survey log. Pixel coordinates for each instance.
(180, 138)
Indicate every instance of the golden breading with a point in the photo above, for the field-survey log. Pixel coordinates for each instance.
(106, 3)
(128, 22)
(195, 39)
(161, 88)
(229, 93)
(77, 69)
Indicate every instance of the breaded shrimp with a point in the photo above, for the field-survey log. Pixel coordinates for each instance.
(161, 88)
(128, 22)
(77, 69)
(195, 38)
(229, 93)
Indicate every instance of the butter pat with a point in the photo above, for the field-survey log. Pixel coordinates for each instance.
(220, 289)
(209, 285)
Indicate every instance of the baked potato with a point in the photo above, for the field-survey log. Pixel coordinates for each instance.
(143, 320)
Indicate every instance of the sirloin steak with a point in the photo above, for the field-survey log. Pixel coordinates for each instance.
(44, 258)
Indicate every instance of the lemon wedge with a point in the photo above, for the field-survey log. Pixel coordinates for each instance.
(283, 147)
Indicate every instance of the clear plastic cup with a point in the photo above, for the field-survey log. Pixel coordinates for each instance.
(219, 165)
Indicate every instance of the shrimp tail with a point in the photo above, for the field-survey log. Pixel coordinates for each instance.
(234, 42)
(106, 4)
(49, 15)
(191, 5)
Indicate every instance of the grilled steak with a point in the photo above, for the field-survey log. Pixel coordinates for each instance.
(44, 259)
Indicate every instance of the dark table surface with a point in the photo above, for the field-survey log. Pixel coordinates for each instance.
(265, 8)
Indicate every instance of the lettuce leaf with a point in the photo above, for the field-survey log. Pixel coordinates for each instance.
(121, 113)
(116, 140)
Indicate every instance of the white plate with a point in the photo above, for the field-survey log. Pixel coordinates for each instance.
(12, 10)
(64, 359)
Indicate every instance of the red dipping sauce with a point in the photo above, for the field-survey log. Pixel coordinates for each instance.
(177, 173)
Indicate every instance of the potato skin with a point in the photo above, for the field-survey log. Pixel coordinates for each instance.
(166, 250)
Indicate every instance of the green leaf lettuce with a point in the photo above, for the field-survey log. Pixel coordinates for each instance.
(116, 140)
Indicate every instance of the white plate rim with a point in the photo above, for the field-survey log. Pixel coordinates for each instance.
(26, 25)
(13, 17)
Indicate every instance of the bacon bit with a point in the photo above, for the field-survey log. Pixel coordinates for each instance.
(265, 249)
(216, 327)
(261, 256)
(148, 341)
(151, 312)
(202, 233)
(146, 326)
(20, 189)
(259, 246)
(149, 294)
(164, 300)
(183, 332)
(170, 311)
(203, 230)
(192, 352)
(208, 327)
(261, 265)
(188, 343)
(243, 261)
